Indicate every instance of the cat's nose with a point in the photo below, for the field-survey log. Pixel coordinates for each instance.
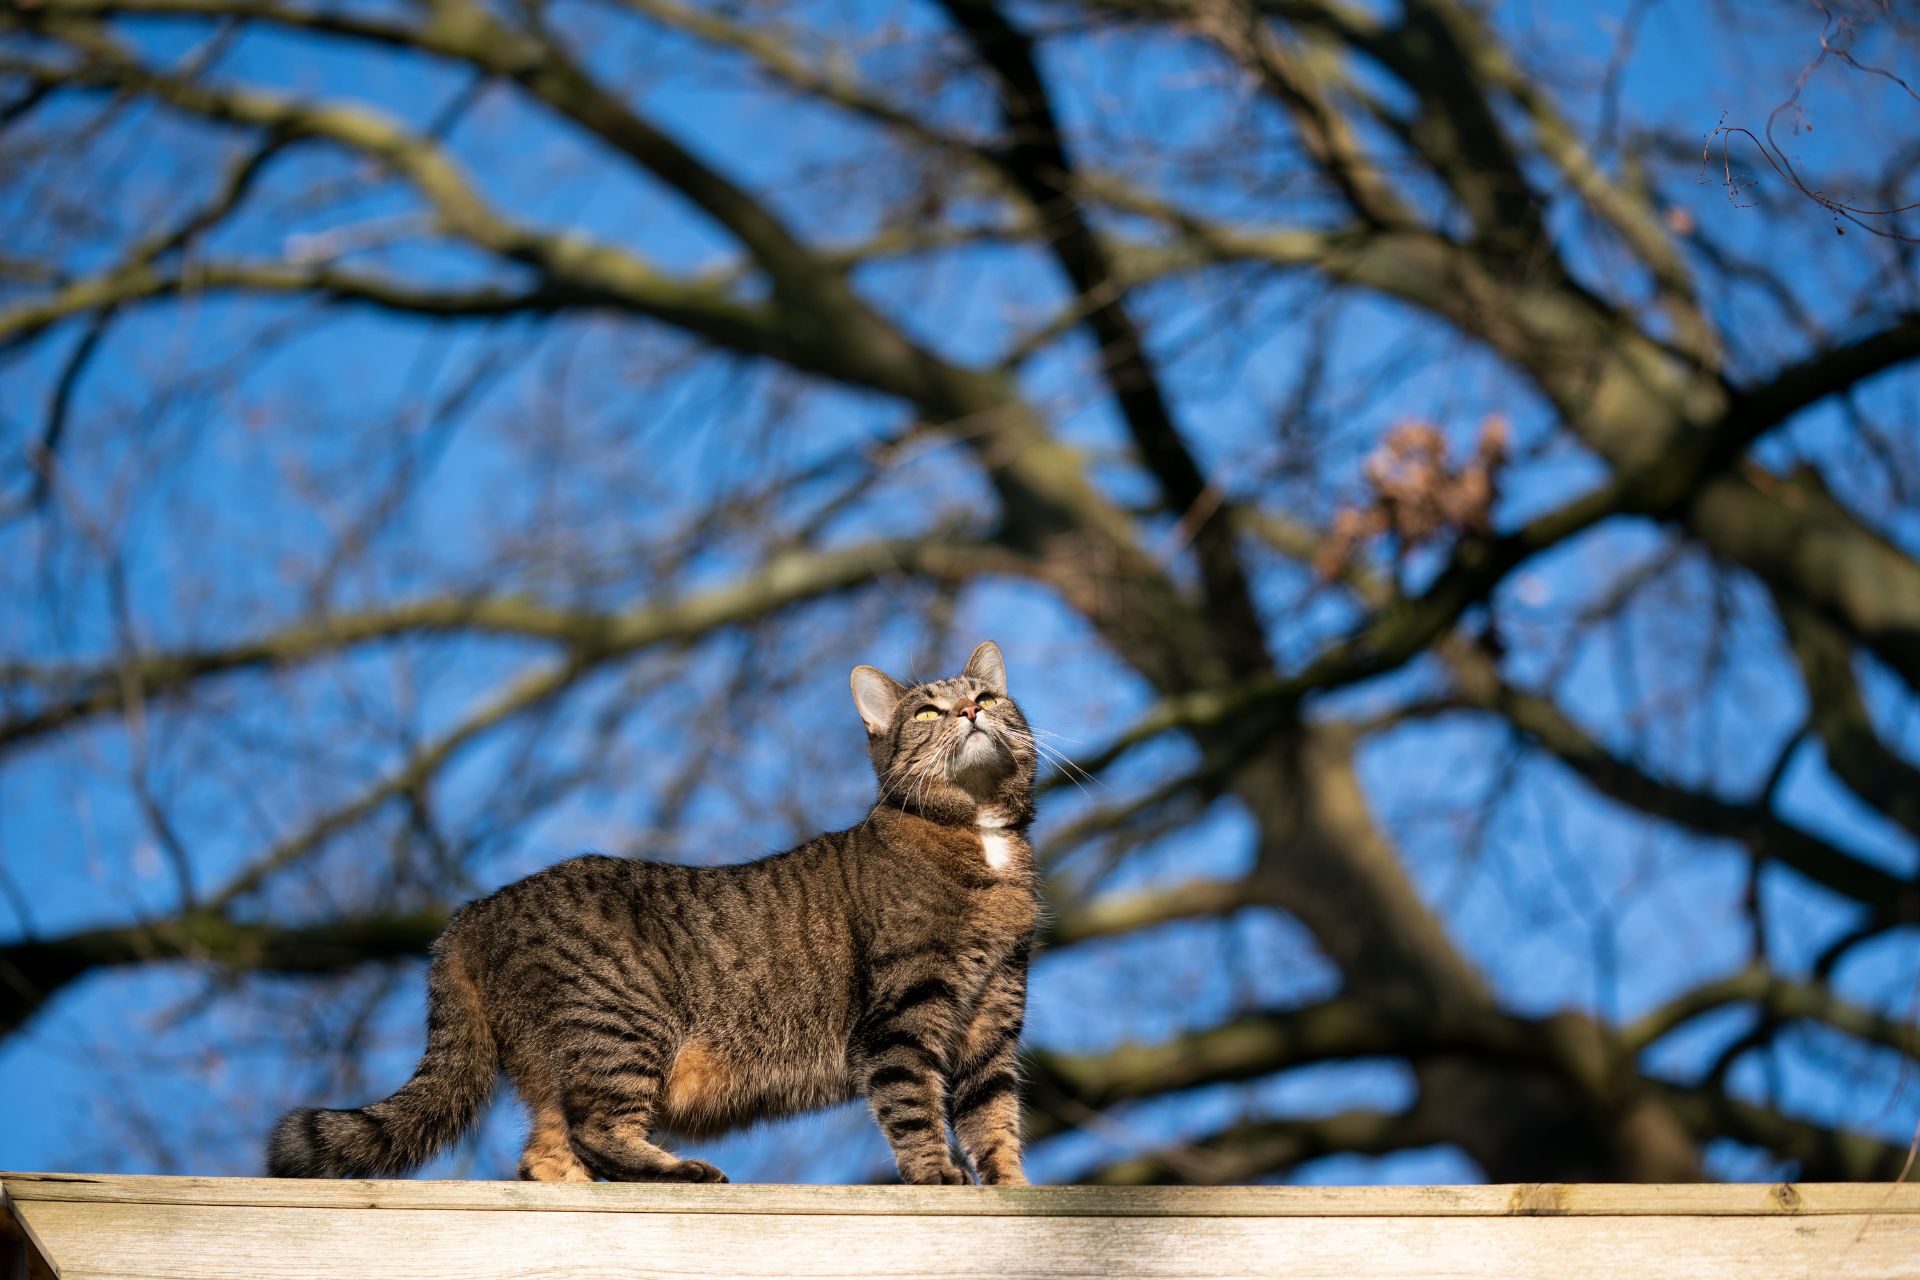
(970, 710)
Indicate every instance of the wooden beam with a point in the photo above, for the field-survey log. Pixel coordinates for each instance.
(258, 1229)
(1521, 1200)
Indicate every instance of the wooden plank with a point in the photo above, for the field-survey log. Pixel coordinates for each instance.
(133, 1241)
(20, 1256)
(1532, 1199)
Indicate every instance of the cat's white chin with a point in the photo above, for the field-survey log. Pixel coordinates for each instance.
(979, 759)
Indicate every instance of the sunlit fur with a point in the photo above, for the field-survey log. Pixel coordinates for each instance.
(621, 997)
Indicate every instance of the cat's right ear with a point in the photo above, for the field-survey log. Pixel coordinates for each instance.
(875, 693)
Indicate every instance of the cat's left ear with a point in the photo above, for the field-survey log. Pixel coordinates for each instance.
(875, 693)
(986, 665)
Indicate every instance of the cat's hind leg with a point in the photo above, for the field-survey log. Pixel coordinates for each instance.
(610, 1097)
(549, 1156)
(611, 1137)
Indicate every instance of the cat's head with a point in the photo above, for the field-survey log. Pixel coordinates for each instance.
(949, 747)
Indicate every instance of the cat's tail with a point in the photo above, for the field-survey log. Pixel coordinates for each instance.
(430, 1110)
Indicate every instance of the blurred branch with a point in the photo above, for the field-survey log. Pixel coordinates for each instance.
(1303, 543)
(1253, 1149)
(573, 270)
(814, 321)
(1035, 158)
(32, 972)
(408, 782)
(1631, 216)
(773, 53)
(1823, 1154)
(25, 321)
(43, 454)
(1869, 767)
(1835, 368)
(1797, 538)
(1752, 824)
(467, 32)
(1398, 629)
(1261, 1044)
(1434, 49)
(1590, 1061)
(1110, 916)
(1123, 816)
(1303, 79)
(236, 182)
(1781, 998)
(783, 579)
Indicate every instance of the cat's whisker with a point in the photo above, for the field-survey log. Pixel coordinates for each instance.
(1075, 775)
(1060, 760)
(1059, 737)
(1067, 771)
(1067, 763)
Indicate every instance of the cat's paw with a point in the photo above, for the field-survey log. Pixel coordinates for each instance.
(947, 1175)
(550, 1170)
(693, 1171)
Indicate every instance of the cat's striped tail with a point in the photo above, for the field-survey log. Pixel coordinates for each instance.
(430, 1110)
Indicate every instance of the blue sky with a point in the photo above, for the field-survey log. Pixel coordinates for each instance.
(230, 498)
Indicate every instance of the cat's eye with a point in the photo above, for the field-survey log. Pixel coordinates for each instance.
(927, 713)
(986, 700)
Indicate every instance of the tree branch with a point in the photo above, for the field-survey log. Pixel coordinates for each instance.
(573, 270)
(1300, 80)
(127, 286)
(785, 578)
(1869, 767)
(1037, 162)
(468, 33)
(1252, 1149)
(1782, 998)
(1111, 916)
(1264, 1043)
(31, 972)
(1752, 824)
(1824, 1155)
(1799, 540)
(1836, 368)
(1399, 628)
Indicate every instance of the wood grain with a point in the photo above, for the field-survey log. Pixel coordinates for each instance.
(1525, 1199)
(102, 1227)
(231, 1242)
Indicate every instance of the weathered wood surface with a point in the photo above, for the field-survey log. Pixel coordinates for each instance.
(256, 1229)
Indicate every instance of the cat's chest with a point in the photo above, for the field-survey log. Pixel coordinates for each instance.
(1003, 849)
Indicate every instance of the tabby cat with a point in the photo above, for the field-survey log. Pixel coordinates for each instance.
(621, 997)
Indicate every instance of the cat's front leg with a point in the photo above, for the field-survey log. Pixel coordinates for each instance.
(984, 1091)
(901, 1060)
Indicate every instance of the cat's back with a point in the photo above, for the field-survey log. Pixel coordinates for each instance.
(603, 906)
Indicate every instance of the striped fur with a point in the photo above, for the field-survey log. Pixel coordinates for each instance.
(624, 997)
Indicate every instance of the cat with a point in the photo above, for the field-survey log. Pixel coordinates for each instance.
(621, 996)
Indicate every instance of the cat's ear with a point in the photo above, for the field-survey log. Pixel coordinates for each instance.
(987, 666)
(875, 693)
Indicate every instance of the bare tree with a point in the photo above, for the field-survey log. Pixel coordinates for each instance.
(746, 340)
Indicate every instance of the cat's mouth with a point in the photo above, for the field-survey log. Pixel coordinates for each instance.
(979, 752)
